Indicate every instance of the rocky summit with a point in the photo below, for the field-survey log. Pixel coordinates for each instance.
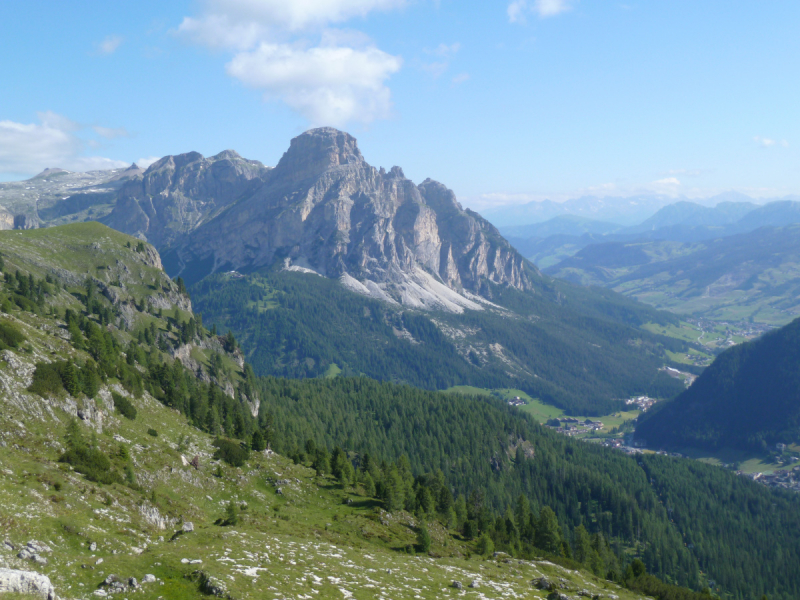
(324, 208)
(178, 193)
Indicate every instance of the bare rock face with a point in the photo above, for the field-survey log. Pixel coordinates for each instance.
(6, 219)
(324, 208)
(177, 193)
(26, 582)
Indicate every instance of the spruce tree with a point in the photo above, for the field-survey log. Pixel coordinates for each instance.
(257, 442)
(548, 533)
(423, 537)
(69, 377)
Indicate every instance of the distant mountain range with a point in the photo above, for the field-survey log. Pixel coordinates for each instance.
(733, 261)
(749, 398)
(325, 264)
(630, 211)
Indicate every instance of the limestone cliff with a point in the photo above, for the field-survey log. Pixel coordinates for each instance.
(324, 208)
(178, 193)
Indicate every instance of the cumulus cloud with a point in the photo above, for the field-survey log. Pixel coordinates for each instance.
(110, 44)
(28, 148)
(768, 142)
(461, 78)
(328, 85)
(338, 78)
(518, 9)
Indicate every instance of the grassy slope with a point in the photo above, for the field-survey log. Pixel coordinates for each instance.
(302, 542)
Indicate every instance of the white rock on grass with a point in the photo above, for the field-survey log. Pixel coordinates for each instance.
(26, 582)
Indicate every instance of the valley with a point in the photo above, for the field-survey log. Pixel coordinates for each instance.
(287, 502)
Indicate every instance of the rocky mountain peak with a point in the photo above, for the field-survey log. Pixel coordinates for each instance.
(323, 208)
(227, 155)
(317, 151)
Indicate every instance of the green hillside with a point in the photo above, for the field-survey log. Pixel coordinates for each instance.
(748, 399)
(123, 419)
(582, 350)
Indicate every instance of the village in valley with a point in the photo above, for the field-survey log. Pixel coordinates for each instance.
(616, 431)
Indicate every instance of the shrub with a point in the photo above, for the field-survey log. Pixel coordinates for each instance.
(10, 336)
(123, 406)
(47, 379)
(152, 432)
(231, 452)
(92, 463)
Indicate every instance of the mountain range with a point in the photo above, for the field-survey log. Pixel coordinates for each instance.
(325, 264)
(734, 261)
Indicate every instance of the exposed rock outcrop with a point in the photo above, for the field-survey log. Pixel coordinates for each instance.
(177, 193)
(324, 208)
(26, 582)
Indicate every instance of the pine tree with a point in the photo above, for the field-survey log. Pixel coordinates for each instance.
(74, 436)
(423, 537)
(231, 514)
(90, 380)
(485, 545)
(257, 442)
(581, 544)
(369, 486)
(548, 533)
(69, 377)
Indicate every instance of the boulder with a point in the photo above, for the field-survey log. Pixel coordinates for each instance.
(542, 583)
(188, 526)
(26, 582)
(474, 583)
(457, 585)
(149, 578)
(93, 547)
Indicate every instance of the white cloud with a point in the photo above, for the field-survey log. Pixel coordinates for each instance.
(767, 142)
(543, 8)
(516, 11)
(298, 15)
(461, 78)
(110, 133)
(339, 79)
(30, 148)
(110, 44)
(667, 181)
(327, 85)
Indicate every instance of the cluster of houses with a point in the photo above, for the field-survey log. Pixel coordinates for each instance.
(517, 401)
(619, 444)
(570, 426)
(642, 402)
(787, 480)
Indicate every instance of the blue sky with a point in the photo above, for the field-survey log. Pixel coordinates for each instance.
(504, 101)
